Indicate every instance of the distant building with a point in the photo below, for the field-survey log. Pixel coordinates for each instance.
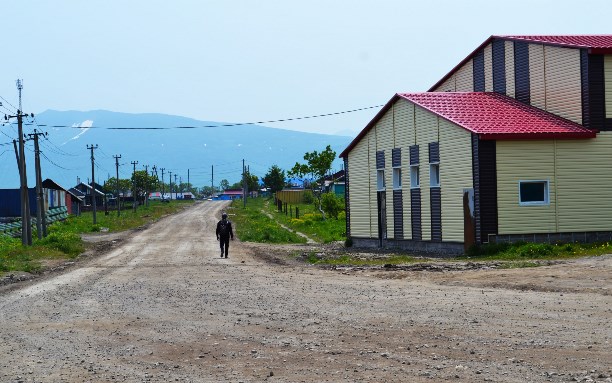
(229, 194)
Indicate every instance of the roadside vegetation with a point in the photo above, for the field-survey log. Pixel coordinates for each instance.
(526, 254)
(64, 241)
(256, 224)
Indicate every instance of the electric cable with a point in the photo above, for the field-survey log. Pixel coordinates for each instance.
(220, 125)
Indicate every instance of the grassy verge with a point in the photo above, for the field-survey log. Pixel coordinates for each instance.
(310, 222)
(530, 251)
(64, 241)
(254, 226)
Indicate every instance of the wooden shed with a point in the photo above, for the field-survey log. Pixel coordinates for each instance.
(513, 144)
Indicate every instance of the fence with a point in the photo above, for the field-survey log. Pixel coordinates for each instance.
(290, 196)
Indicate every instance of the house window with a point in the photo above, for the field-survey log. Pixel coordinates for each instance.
(533, 193)
(414, 176)
(397, 178)
(380, 179)
(434, 175)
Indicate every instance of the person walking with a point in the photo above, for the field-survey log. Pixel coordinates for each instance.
(224, 233)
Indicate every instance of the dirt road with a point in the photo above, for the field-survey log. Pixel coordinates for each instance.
(162, 306)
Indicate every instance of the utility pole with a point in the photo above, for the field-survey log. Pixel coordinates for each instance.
(212, 180)
(147, 185)
(26, 224)
(170, 186)
(134, 186)
(163, 186)
(176, 186)
(188, 185)
(117, 184)
(243, 185)
(93, 183)
(41, 224)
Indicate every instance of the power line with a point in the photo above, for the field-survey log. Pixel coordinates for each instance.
(218, 125)
(5, 100)
(53, 163)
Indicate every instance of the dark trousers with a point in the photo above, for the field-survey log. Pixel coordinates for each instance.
(224, 242)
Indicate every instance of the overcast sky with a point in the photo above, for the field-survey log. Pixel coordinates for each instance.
(246, 60)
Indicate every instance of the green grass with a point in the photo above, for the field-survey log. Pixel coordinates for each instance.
(252, 225)
(310, 222)
(64, 242)
(127, 219)
(518, 253)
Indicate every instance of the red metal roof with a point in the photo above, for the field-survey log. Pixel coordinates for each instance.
(492, 116)
(572, 41)
(495, 116)
(596, 44)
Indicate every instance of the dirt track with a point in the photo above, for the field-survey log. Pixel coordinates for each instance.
(162, 306)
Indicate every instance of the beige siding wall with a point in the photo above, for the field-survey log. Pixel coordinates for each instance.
(579, 185)
(488, 68)
(455, 175)
(584, 182)
(537, 84)
(563, 85)
(426, 132)
(359, 189)
(373, 137)
(448, 85)
(402, 126)
(608, 84)
(524, 160)
(404, 137)
(465, 78)
(385, 142)
(510, 84)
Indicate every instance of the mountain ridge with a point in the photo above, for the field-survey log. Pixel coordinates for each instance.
(176, 143)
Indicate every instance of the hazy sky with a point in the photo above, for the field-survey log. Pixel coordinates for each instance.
(246, 60)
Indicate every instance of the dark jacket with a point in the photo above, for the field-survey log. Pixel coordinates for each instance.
(229, 229)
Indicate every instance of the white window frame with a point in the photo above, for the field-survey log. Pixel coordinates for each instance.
(397, 178)
(433, 165)
(546, 201)
(415, 182)
(380, 180)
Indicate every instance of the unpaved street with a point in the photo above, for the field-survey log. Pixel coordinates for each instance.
(162, 306)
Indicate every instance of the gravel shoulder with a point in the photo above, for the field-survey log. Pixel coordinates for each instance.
(159, 305)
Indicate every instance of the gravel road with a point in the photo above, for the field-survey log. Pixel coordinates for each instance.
(162, 306)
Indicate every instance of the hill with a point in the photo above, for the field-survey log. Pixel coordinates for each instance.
(172, 142)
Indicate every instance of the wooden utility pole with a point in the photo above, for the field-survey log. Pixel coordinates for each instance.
(26, 224)
(176, 186)
(170, 186)
(163, 186)
(188, 184)
(146, 185)
(243, 185)
(134, 186)
(93, 182)
(41, 219)
(117, 184)
(212, 180)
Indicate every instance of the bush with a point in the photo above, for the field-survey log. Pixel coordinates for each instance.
(332, 204)
(308, 196)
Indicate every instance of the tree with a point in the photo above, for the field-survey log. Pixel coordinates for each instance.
(316, 166)
(143, 183)
(110, 186)
(224, 184)
(275, 179)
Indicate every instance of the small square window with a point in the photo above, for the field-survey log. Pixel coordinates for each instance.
(434, 175)
(397, 178)
(380, 179)
(533, 193)
(414, 176)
